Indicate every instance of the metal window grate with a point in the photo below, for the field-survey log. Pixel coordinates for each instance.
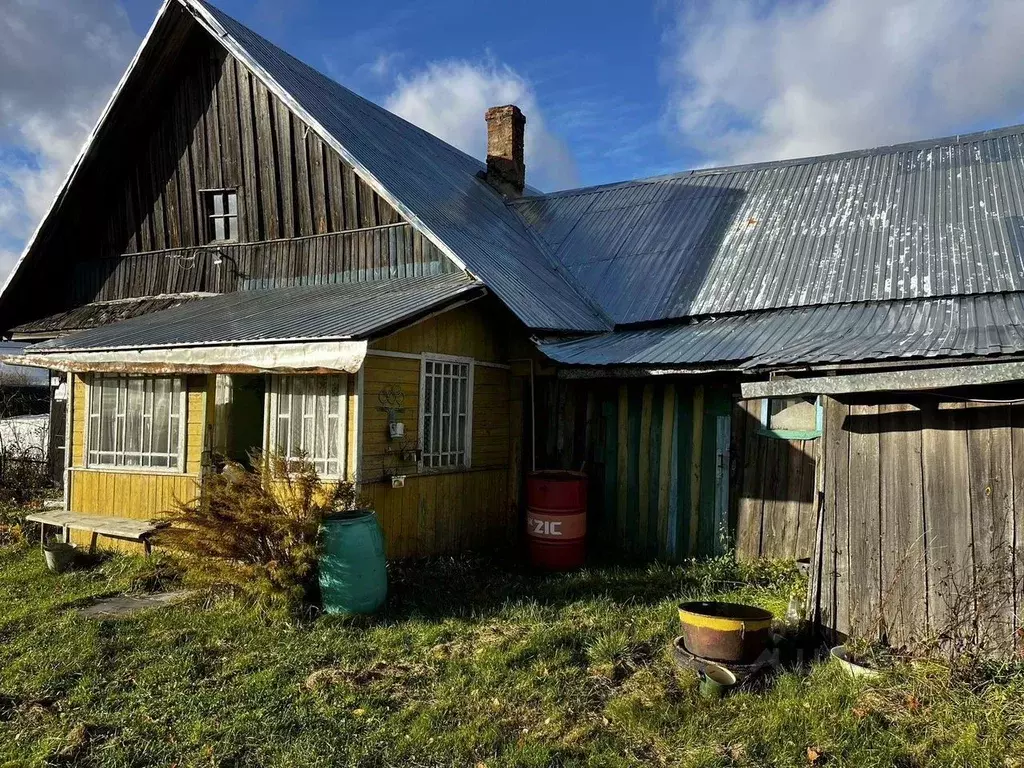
(308, 421)
(135, 422)
(446, 416)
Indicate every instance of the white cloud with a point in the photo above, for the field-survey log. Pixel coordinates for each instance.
(449, 99)
(752, 81)
(58, 65)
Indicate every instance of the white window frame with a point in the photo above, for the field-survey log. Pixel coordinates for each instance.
(470, 364)
(182, 468)
(271, 419)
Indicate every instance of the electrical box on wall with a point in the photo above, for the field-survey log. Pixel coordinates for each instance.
(396, 430)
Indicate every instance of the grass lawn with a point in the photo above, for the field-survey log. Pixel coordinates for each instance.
(472, 665)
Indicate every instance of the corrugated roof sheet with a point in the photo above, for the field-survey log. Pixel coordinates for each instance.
(431, 182)
(959, 326)
(933, 218)
(103, 312)
(307, 312)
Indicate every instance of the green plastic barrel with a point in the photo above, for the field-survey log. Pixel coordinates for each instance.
(353, 576)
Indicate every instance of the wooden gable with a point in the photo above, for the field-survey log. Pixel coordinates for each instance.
(133, 222)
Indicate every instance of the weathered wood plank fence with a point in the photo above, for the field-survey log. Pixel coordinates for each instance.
(774, 488)
(921, 521)
(657, 456)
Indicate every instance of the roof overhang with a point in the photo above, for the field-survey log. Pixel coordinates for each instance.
(316, 357)
(909, 380)
(299, 328)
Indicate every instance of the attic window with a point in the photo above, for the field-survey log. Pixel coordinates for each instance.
(221, 207)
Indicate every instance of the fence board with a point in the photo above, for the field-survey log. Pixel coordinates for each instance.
(920, 523)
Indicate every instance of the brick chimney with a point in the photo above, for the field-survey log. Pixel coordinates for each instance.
(506, 170)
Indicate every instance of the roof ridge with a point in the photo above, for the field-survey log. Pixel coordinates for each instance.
(952, 140)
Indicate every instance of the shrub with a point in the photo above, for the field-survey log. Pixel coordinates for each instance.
(12, 522)
(256, 531)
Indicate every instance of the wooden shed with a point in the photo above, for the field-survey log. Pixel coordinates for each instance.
(921, 492)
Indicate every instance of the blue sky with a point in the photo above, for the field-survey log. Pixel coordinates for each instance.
(612, 90)
(594, 68)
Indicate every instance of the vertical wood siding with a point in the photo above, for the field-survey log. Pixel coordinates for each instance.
(204, 122)
(212, 125)
(343, 257)
(442, 513)
(651, 451)
(773, 485)
(137, 494)
(920, 531)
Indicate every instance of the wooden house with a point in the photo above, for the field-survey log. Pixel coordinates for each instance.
(812, 358)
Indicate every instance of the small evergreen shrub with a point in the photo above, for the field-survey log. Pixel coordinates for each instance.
(255, 531)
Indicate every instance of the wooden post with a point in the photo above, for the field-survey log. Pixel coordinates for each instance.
(695, 467)
(622, 463)
(666, 467)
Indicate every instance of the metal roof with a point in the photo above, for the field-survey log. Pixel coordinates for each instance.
(103, 312)
(986, 325)
(300, 313)
(932, 218)
(434, 185)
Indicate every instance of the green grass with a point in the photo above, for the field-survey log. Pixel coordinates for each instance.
(472, 664)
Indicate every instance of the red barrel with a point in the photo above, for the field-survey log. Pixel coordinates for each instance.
(556, 519)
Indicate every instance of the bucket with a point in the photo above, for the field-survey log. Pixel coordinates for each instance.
(353, 572)
(725, 632)
(59, 556)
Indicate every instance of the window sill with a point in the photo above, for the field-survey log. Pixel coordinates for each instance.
(444, 470)
(108, 469)
(789, 434)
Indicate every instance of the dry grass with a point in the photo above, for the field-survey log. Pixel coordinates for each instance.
(472, 664)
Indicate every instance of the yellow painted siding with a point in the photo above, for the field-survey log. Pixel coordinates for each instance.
(479, 330)
(137, 495)
(441, 512)
(134, 493)
(444, 513)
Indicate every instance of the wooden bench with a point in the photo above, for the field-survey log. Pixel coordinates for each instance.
(98, 525)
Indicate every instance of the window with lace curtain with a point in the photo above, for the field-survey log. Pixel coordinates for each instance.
(136, 421)
(308, 420)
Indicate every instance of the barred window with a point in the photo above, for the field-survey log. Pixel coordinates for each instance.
(308, 421)
(446, 413)
(136, 422)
